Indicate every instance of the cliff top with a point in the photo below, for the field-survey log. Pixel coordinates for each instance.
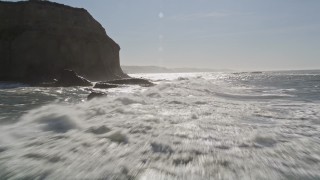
(46, 13)
(40, 2)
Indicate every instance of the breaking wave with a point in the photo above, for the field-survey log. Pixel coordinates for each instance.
(188, 126)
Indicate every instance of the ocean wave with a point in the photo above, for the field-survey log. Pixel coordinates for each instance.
(11, 85)
(191, 128)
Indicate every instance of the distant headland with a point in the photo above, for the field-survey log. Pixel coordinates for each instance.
(159, 69)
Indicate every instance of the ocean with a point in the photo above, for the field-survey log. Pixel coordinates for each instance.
(246, 125)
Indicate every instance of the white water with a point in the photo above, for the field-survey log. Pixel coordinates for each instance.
(188, 126)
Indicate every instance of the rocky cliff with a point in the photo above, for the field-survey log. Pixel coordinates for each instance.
(39, 38)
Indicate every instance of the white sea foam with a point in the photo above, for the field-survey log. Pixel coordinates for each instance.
(182, 128)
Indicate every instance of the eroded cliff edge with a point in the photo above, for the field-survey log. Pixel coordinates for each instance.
(39, 38)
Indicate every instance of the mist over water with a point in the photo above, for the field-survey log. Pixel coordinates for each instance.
(261, 125)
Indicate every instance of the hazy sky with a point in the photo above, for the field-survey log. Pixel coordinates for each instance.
(234, 34)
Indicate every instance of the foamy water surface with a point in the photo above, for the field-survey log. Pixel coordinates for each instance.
(189, 126)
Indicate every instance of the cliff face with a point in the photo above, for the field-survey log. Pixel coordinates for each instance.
(39, 39)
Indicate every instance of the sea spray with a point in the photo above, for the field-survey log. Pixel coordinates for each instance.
(182, 128)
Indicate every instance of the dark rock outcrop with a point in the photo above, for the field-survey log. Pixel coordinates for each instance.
(40, 38)
(131, 81)
(103, 85)
(125, 81)
(67, 78)
(70, 78)
(95, 95)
